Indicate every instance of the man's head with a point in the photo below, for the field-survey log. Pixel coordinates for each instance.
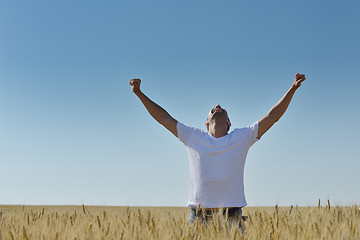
(218, 116)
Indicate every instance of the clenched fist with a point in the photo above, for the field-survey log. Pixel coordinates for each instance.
(135, 85)
(299, 78)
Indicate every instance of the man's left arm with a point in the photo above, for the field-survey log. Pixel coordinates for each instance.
(280, 107)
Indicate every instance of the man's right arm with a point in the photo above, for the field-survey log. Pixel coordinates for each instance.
(157, 112)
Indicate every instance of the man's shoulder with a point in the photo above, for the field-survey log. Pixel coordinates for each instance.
(186, 132)
(239, 131)
(189, 128)
(246, 128)
(199, 131)
(248, 132)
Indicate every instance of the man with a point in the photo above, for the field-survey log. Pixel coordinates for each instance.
(217, 158)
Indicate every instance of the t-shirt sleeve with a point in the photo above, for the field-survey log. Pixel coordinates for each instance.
(252, 132)
(184, 132)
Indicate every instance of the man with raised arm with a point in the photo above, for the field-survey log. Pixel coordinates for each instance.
(217, 157)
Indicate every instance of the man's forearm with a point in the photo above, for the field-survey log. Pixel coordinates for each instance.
(280, 107)
(157, 112)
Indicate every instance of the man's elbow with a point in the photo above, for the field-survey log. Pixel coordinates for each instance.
(274, 116)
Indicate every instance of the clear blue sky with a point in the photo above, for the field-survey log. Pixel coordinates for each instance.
(72, 132)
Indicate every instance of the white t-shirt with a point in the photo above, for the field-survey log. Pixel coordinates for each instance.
(217, 165)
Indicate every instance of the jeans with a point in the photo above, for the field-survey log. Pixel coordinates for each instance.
(234, 215)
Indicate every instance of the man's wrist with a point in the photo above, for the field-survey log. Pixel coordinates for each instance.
(138, 93)
(294, 87)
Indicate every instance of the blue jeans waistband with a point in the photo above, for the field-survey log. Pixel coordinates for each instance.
(234, 212)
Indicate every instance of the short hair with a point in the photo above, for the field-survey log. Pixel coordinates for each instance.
(229, 122)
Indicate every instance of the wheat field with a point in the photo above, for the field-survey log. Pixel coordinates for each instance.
(94, 222)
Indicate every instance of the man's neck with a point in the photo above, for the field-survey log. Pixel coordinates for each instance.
(217, 132)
